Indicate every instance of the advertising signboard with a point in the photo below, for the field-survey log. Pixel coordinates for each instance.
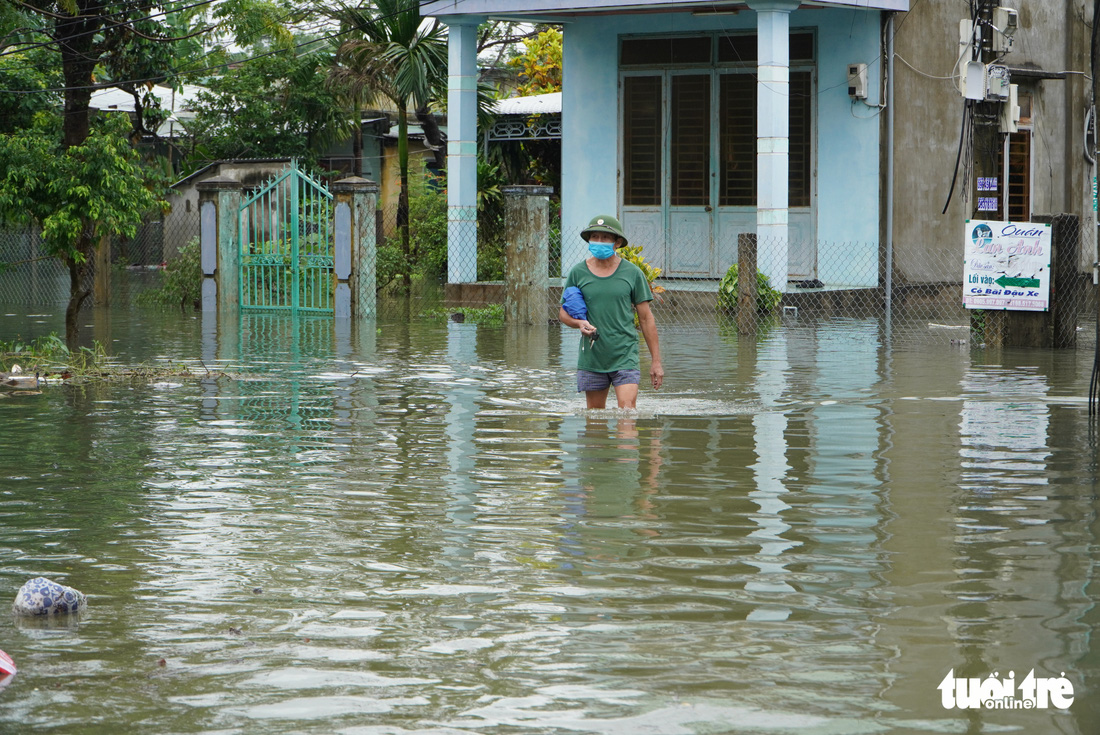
(1007, 265)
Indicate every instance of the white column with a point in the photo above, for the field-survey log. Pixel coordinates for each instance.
(772, 136)
(462, 150)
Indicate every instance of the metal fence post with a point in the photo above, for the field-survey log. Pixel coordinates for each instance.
(526, 257)
(219, 200)
(746, 283)
(356, 247)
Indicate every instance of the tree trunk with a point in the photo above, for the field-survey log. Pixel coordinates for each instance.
(75, 37)
(433, 136)
(357, 146)
(403, 196)
(78, 292)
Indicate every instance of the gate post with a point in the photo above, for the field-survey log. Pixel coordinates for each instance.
(220, 257)
(356, 247)
(527, 255)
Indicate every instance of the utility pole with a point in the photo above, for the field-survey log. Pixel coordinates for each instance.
(988, 142)
(1094, 57)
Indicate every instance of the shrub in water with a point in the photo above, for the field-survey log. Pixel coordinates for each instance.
(767, 298)
(180, 282)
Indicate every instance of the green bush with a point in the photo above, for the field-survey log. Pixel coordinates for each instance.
(180, 282)
(767, 298)
(492, 229)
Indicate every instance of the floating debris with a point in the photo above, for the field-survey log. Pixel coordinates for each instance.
(44, 597)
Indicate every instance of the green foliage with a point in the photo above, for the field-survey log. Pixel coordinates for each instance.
(53, 360)
(395, 53)
(490, 315)
(24, 77)
(180, 283)
(427, 234)
(767, 298)
(633, 253)
(540, 64)
(391, 53)
(274, 106)
(75, 194)
(978, 325)
(428, 229)
(492, 229)
(428, 226)
(50, 353)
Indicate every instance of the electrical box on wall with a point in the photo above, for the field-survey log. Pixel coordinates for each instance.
(973, 81)
(996, 82)
(857, 81)
(966, 32)
(1010, 112)
(1005, 23)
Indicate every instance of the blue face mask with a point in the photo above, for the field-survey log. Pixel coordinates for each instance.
(601, 250)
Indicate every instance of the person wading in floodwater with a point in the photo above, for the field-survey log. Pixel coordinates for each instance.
(613, 289)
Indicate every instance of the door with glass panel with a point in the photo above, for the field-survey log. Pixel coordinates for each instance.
(689, 167)
(690, 249)
(737, 201)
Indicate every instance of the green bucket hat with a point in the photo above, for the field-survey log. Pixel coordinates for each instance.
(603, 223)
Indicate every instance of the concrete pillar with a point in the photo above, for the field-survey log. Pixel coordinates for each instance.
(773, 25)
(462, 150)
(220, 256)
(356, 241)
(527, 256)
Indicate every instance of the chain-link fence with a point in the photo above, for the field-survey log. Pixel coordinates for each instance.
(423, 271)
(29, 276)
(695, 284)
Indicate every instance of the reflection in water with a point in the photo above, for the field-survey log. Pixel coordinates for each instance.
(416, 527)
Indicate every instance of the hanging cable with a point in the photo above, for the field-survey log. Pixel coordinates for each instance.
(964, 134)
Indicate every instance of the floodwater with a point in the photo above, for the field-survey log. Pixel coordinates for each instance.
(415, 527)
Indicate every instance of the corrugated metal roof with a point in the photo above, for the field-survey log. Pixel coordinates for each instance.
(536, 104)
(532, 9)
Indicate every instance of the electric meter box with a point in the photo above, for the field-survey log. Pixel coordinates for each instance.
(1005, 23)
(857, 81)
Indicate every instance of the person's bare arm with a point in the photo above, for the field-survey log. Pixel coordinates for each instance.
(649, 331)
(581, 324)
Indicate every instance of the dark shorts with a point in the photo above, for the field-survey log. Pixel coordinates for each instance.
(588, 380)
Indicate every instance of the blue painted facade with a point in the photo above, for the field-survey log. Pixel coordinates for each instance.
(841, 227)
(847, 133)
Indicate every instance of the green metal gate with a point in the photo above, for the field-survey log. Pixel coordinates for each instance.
(285, 231)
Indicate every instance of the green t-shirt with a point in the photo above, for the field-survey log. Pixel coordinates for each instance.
(610, 301)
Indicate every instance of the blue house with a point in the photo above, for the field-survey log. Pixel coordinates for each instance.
(696, 122)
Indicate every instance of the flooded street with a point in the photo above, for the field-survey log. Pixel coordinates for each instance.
(416, 527)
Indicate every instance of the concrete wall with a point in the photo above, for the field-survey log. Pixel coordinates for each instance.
(847, 133)
(182, 221)
(1051, 37)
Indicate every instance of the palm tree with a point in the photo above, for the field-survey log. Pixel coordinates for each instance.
(399, 55)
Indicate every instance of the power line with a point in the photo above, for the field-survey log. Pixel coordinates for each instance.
(201, 70)
(24, 47)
